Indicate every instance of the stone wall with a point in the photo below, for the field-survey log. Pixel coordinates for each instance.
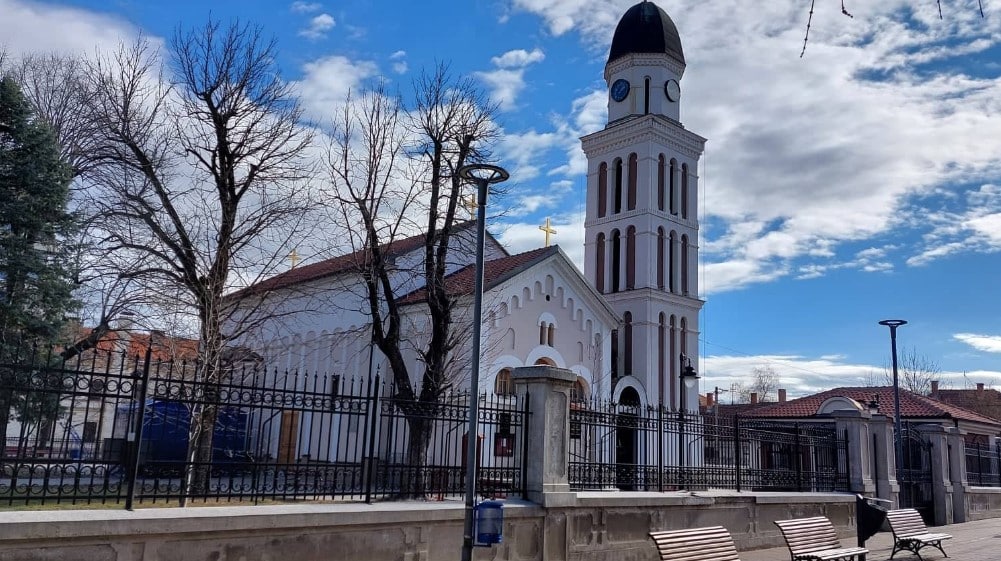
(596, 527)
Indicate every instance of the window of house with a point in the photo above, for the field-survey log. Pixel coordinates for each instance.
(599, 269)
(673, 179)
(627, 336)
(631, 196)
(630, 258)
(602, 189)
(616, 259)
(617, 208)
(503, 386)
(684, 190)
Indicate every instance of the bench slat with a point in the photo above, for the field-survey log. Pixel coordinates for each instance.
(815, 538)
(698, 544)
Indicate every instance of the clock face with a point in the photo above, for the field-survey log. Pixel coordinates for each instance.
(672, 90)
(620, 89)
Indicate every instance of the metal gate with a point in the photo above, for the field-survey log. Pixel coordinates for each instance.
(915, 475)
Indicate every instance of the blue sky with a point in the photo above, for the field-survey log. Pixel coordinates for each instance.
(858, 183)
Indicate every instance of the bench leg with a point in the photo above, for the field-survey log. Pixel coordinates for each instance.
(909, 545)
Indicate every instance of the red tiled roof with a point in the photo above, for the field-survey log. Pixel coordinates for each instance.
(337, 265)
(912, 405)
(494, 272)
(165, 347)
(986, 402)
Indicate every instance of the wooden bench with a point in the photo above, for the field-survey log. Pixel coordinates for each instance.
(696, 544)
(814, 539)
(910, 532)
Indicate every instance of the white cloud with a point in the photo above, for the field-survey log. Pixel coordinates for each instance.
(508, 80)
(520, 236)
(985, 343)
(326, 83)
(300, 7)
(28, 27)
(518, 58)
(318, 27)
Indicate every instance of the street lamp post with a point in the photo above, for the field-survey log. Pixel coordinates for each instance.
(482, 175)
(898, 450)
(688, 378)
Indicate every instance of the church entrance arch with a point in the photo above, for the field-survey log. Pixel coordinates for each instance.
(626, 420)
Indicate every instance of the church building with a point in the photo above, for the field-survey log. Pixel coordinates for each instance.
(624, 326)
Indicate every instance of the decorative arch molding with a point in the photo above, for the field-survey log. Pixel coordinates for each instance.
(547, 318)
(544, 352)
(838, 403)
(629, 382)
(582, 317)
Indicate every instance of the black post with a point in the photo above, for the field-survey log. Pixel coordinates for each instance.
(524, 446)
(373, 411)
(799, 460)
(893, 324)
(137, 434)
(736, 449)
(660, 447)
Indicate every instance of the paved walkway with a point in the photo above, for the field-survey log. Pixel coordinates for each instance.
(971, 541)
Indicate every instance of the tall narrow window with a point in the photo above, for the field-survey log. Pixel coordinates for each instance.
(542, 333)
(683, 336)
(661, 354)
(617, 208)
(672, 354)
(602, 189)
(599, 267)
(673, 176)
(631, 197)
(551, 335)
(684, 264)
(661, 182)
(684, 190)
(614, 343)
(616, 260)
(672, 261)
(627, 342)
(630, 258)
(660, 258)
(646, 96)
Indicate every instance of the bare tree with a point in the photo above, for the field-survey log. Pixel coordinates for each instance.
(763, 381)
(393, 172)
(915, 372)
(199, 185)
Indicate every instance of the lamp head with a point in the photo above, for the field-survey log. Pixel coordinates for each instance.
(893, 323)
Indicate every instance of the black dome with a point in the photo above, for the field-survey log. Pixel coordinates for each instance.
(645, 28)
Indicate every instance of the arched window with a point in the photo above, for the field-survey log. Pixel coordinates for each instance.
(616, 259)
(578, 392)
(602, 189)
(672, 354)
(631, 198)
(674, 186)
(672, 260)
(614, 344)
(661, 182)
(599, 267)
(630, 257)
(661, 352)
(503, 384)
(618, 187)
(627, 342)
(684, 190)
(551, 335)
(660, 258)
(683, 336)
(684, 264)
(646, 96)
(543, 332)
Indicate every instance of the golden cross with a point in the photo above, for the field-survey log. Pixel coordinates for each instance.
(294, 257)
(548, 229)
(469, 203)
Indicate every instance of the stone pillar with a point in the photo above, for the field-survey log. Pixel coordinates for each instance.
(941, 483)
(883, 458)
(854, 425)
(957, 473)
(548, 392)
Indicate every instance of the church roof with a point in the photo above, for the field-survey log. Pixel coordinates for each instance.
(912, 405)
(494, 272)
(645, 28)
(337, 265)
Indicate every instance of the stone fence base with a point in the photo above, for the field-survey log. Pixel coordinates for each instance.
(598, 526)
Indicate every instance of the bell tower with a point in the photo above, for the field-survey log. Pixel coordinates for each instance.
(641, 226)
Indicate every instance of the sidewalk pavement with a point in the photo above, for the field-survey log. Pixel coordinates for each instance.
(971, 541)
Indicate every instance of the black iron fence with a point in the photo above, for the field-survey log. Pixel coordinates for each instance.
(615, 446)
(983, 464)
(113, 428)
